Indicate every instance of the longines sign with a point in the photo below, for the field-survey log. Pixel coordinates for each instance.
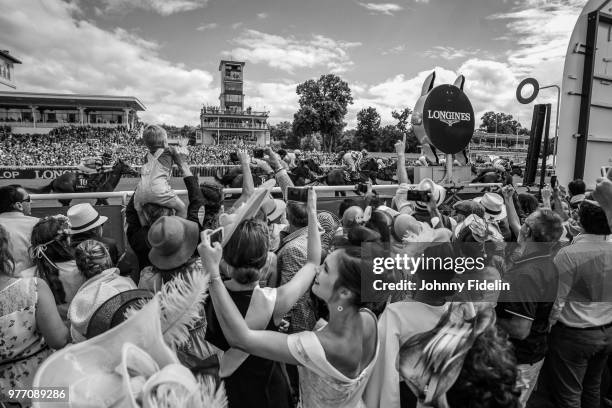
(450, 118)
(444, 118)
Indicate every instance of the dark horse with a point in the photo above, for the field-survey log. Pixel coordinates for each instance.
(492, 175)
(68, 183)
(368, 171)
(307, 171)
(233, 178)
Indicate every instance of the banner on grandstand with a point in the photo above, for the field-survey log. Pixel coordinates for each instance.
(49, 173)
(8, 173)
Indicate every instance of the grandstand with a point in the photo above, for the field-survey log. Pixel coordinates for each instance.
(39, 113)
(513, 147)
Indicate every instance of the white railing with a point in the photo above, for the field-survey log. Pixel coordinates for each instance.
(125, 194)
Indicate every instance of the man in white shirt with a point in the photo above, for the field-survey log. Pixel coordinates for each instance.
(14, 217)
(581, 340)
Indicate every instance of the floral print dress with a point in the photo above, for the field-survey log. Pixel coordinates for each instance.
(22, 347)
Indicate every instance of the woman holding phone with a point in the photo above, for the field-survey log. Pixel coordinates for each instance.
(334, 362)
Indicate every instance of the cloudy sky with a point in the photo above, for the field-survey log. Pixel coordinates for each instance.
(167, 52)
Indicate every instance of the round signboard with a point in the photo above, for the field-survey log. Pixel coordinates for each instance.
(519, 91)
(444, 117)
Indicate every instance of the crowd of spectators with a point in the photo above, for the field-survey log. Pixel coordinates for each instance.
(68, 145)
(276, 305)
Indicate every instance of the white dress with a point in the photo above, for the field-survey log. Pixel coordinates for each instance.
(321, 384)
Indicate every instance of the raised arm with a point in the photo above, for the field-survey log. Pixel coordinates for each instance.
(400, 149)
(546, 196)
(263, 343)
(280, 172)
(556, 199)
(290, 292)
(248, 188)
(513, 218)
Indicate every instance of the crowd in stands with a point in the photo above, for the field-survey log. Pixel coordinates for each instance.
(272, 311)
(68, 145)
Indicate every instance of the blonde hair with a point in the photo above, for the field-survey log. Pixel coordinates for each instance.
(92, 258)
(154, 137)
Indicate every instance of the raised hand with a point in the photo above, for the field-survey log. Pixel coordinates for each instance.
(210, 255)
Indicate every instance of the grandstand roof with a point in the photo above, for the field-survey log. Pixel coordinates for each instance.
(48, 99)
(5, 54)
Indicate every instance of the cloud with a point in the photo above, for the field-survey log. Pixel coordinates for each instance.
(163, 7)
(207, 26)
(382, 8)
(262, 15)
(236, 25)
(540, 31)
(398, 49)
(490, 85)
(450, 53)
(280, 99)
(98, 61)
(288, 53)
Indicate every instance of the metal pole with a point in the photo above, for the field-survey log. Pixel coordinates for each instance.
(556, 121)
(449, 168)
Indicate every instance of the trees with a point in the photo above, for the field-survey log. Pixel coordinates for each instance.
(499, 122)
(282, 133)
(403, 117)
(368, 129)
(311, 142)
(323, 106)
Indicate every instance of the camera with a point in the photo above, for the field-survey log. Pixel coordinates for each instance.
(216, 236)
(258, 153)
(297, 194)
(234, 157)
(418, 195)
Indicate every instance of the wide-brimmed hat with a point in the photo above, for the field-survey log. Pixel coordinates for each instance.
(91, 295)
(87, 369)
(83, 217)
(111, 313)
(493, 204)
(173, 241)
(439, 192)
(273, 208)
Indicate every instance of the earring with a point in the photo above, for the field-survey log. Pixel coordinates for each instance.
(340, 308)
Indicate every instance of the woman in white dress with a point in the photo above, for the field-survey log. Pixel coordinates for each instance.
(334, 362)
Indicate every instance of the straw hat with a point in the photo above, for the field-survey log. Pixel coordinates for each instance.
(439, 192)
(493, 204)
(273, 208)
(83, 217)
(173, 241)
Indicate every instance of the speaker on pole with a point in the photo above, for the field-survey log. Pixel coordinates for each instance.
(535, 141)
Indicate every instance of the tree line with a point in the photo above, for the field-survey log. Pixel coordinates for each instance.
(319, 122)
